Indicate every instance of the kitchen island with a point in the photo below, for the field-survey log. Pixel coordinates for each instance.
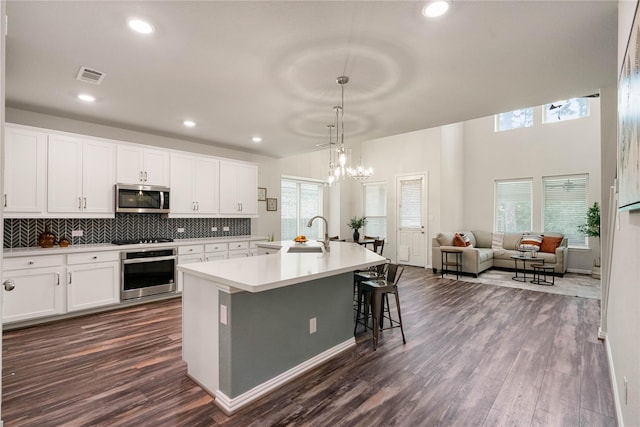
(252, 324)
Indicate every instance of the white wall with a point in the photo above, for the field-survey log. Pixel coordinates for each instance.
(623, 310)
(570, 147)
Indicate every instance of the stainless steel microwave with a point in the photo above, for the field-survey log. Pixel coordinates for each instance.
(142, 199)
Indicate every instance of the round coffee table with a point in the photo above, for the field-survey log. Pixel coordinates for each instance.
(524, 259)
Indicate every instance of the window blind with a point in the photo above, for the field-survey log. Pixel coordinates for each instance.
(565, 206)
(411, 203)
(300, 201)
(513, 205)
(375, 209)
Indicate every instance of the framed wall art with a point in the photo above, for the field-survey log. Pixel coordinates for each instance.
(629, 123)
(272, 204)
(262, 194)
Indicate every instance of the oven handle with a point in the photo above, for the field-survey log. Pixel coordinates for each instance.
(139, 260)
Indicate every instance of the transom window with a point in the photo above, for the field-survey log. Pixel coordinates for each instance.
(566, 109)
(514, 119)
(513, 210)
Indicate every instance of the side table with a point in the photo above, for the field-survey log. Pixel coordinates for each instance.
(541, 270)
(447, 264)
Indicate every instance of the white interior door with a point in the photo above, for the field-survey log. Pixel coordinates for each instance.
(411, 191)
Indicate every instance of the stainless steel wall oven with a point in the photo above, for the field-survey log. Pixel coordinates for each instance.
(147, 272)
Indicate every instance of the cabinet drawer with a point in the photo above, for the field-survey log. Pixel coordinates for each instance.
(92, 257)
(190, 249)
(33, 262)
(238, 245)
(216, 247)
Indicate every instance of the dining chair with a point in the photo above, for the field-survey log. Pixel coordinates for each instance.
(374, 295)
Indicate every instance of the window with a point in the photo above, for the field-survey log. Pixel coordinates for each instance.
(410, 203)
(375, 209)
(513, 205)
(514, 119)
(566, 109)
(301, 200)
(565, 206)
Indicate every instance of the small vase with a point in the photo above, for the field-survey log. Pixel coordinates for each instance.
(46, 238)
(356, 235)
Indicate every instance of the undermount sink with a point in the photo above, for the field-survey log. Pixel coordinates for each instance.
(305, 248)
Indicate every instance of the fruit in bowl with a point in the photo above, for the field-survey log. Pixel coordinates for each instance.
(300, 239)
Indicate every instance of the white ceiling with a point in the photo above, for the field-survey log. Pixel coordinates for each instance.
(268, 68)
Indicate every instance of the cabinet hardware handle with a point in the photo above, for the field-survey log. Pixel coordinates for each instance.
(141, 176)
(85, 202)
(57, 279)
(79, 202)
(197, 206)
(31, 262)
(145, 176)
(240, 207)
(95, 257)
(5, 200)
(9, 285)
(70, 278)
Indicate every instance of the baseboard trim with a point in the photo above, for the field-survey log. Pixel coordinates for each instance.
(614, 382)
(230, 405)
(579, 271)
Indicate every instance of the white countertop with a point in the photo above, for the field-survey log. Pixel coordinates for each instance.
(264, 272)
(57, 250)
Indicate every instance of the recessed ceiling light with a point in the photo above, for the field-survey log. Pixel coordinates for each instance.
(256, 139)
(86, 97)
(435, 8)
(140, 26)
(189, 123)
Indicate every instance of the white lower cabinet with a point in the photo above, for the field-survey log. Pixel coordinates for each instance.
(215, 251)
(38, 288)
(92, 280)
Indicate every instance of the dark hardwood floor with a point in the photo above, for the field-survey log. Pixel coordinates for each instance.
(476, 355)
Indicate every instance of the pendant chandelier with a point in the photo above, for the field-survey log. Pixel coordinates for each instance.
(339, 168)
(331, 176)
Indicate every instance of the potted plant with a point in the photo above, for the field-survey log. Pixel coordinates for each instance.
(592, 229)
(356, 224)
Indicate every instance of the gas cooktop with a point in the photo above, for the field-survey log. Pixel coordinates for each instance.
(141, 241)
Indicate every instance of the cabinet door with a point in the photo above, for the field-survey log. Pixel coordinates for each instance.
(156, 167)
(248, 189)
(206, 185)
(24, 170)
(129, 164)
(98, 181)
(92, 285)
(37, 293)
(238, 189)
(229, 188)
(182, 177)
(64, 174)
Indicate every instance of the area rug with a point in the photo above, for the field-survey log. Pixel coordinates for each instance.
(573, 284)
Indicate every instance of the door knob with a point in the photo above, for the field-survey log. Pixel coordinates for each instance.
(9, 285)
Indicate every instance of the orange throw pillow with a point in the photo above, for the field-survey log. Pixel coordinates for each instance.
(550, 244)
(458, 240)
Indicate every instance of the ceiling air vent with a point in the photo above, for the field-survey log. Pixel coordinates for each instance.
(89, 75)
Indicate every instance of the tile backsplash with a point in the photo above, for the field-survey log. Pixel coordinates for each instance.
(23, 232)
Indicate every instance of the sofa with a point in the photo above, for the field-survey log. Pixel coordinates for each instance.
(487, 250)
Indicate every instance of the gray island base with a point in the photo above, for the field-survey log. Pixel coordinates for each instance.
(252, 324)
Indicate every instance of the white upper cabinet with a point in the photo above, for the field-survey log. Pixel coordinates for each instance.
(25, 171)
(238, 188)
(137, 165)
(194, 185)
(80, 176)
